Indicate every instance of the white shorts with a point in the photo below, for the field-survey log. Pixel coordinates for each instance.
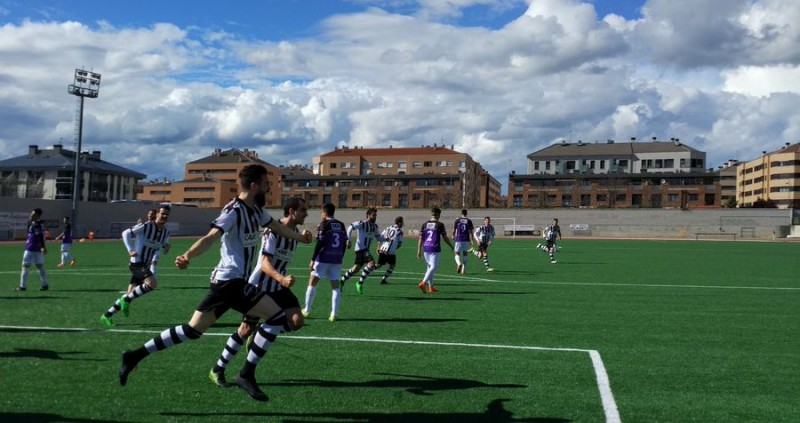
(329, 271)
(461, 246)
(65, 247)
(32, 257)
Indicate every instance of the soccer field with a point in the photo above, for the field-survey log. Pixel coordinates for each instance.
(633, 331)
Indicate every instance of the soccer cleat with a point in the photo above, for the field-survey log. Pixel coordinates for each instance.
(460, 268)
(60, 265)
(129, 363)
(106, 321)
(73, 262)
(251, 387)
(471, 250)
(553, 262)
(422, 286)
(125, 306)
(44, 288)
(249, 342)
(218, 378)
(359, 288)
(433, 289)
(332, 319)
(304, 312)
(490, 269)
(20, 288)
(384, 282)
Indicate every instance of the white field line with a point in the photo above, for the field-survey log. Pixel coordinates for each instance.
(451, 278)
(603, 383)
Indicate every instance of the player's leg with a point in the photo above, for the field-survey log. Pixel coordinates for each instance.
(232, 346)
(311, 291)
(350, 272)
(369, 268)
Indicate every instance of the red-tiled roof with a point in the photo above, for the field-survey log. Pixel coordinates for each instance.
(393, 151)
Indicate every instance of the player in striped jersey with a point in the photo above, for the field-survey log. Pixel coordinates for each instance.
(484, 235)
(143, 241)
(238, 228)
(387, 251)
(366, 230)
(327, 260)
(551, 234)
(269, 276)
(462, 237)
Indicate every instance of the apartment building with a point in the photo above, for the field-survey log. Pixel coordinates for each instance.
(773, 177)
(49, 174)
(404, 177)
(212, 181)
(611, 174)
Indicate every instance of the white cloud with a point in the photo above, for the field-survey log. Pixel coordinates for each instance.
(762, 81)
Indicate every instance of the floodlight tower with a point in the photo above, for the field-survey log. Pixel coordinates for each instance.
(87, 84)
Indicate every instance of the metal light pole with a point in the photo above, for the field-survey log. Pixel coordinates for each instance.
(87, 84)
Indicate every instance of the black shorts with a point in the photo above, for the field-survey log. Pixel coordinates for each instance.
(363, 257)
(232, 294)
(390, 259)
(284, 298)
(483, 246)
(139, 272)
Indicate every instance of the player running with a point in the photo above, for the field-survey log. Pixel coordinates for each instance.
(462, 237)
(366, 230)
(387, 251)
(484, 235)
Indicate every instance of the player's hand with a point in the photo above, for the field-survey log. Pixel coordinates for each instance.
(287, 281)
(182, 262)
(307, 236)
(166, 248)
(347, 245)
(44, 250)
(132, 253)
(311, 265)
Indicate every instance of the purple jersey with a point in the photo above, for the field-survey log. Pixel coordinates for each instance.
(35, 240)
(67, 238)
(331, 242)
(431, 234)
(462, 230)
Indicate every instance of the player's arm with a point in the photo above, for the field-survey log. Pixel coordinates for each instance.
(266, 266)
(127, 238)
(419, 244)
(199, 247)
(280, 229)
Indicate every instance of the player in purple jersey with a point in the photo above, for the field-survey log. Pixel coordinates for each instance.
(237, 230)
(429, 246)
(327, 259)
(462, 237)
(35, 249)
(66, 244)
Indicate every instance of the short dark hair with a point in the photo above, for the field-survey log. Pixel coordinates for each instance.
(555, 220)
(398, 219)
(436, 210)
(487, 218)
(166, 207)
(251, 174)
(292, 203)
(38, 211)
(371, 210)
(463, 212)
(329, 209)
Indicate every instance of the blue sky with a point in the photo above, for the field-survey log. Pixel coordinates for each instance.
(497, 79)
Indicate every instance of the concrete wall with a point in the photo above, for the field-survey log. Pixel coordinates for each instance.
(106, 220)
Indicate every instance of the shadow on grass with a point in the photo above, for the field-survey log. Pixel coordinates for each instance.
(42, 354)
(46, 418)
(417, 385)
(406, 320)
(495, 412)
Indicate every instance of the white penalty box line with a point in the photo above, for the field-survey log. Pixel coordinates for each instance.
(601, 375)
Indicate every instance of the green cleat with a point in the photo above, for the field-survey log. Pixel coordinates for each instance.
(332, 319)
(106, 321)
(359, 288)
(490, 269)
(218, 378)
(125, 306)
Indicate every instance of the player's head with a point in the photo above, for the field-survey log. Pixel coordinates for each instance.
(487, 220)
(436, 212)
(163, 214)
(328, 210)
(372, 214)
(555, 221)
(36, 214)
(295, 209)
(398, 221)
(65, 219)
(151, 214)
(464, 212)
(253, 178)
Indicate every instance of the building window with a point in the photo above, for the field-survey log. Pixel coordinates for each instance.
(547, 165)
(348, 165)
(517, 201)
(535, 165)
(357, 197)
(416, 196)
(333, 165)
(385, 165)
(427, 164)
(401, 164)
(417, 165)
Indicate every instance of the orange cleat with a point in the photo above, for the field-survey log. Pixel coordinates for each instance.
(433, 289)
(422, 286)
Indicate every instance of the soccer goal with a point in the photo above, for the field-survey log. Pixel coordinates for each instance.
(511, 228)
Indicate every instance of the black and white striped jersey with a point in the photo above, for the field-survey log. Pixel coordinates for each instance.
(366, 232)
(147, 240)
(241, 233)
(279, 251)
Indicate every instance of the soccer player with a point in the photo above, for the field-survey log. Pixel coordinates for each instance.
(462, 237)
(269, 277)
(366, 230)
(143, 241)
(484, 235)
(35, 249)
(327, 260)
(237, 228)
(551, 234)
(387, 251)
(66, 244)
(430, 244)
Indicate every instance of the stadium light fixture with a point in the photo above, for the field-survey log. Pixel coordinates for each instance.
(86, 84)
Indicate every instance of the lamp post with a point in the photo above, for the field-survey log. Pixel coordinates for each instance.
(87, 84)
